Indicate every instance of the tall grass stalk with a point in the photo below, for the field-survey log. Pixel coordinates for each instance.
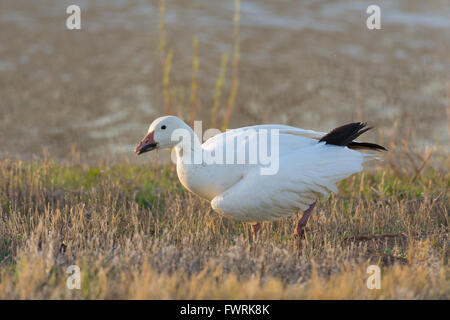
(166, 82)
(194, 84)
(358, 101)
(235, 67)
(447, 105)
(218, 90)
(166, 58)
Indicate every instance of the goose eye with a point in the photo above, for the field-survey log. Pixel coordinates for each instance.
(163, 127)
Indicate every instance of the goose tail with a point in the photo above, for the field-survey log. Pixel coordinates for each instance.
(346, 134)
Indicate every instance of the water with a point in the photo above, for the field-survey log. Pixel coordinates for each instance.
(99, 88)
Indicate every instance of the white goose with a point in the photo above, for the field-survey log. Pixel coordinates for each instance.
(309, 163)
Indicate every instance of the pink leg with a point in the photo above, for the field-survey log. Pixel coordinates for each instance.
(255, 229)
(299, 231)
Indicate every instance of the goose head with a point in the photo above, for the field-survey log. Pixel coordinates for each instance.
(160, 134)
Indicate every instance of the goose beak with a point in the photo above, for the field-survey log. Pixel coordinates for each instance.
(147, 144)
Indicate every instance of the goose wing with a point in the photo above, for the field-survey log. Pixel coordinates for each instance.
(304, 173)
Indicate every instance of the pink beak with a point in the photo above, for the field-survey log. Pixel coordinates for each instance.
(147, 144)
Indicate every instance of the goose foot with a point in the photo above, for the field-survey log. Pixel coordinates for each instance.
(299, 232)
(255, 229)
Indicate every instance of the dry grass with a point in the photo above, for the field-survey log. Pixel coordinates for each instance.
(135, 233)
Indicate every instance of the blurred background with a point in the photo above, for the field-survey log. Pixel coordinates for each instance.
(311, 64)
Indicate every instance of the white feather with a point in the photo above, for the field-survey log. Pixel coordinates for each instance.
(307, 169)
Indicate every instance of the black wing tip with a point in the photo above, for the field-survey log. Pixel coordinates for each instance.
(366, 146)
(344, 136)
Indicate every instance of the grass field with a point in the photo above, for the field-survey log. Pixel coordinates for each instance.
(136, 233)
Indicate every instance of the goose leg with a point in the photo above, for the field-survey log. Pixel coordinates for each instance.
(255, 229)
(299, 232)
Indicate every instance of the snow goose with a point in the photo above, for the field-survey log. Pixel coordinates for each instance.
(308, 164)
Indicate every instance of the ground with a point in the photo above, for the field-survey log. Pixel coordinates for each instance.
(134, 232)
